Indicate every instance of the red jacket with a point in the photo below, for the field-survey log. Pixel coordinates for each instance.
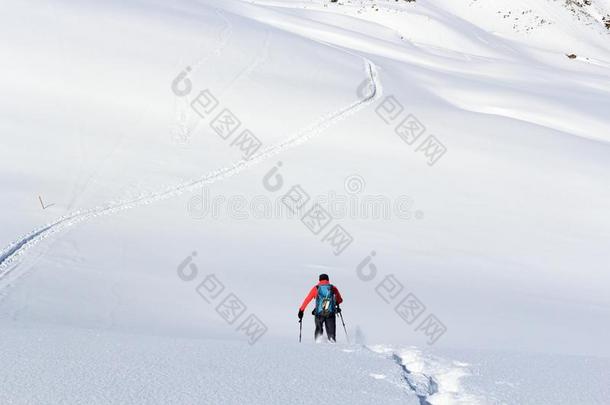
(314, 292)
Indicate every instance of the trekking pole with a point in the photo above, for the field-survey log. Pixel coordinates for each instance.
(344, 328)
(300, 329)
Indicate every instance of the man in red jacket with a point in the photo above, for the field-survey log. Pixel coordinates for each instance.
(327, 305)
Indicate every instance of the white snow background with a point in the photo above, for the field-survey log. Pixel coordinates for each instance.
(504, 237)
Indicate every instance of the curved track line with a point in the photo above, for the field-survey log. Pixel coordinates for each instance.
(259, 59)
(10, 254)
(182, 110)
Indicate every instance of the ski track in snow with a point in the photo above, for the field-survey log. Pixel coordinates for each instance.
(421, 384)
(182, 110)
(9, 256)
(433, 380)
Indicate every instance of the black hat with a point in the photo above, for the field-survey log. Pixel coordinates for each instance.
(323, 277)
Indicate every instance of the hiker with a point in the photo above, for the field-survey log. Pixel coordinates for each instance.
(327, 305)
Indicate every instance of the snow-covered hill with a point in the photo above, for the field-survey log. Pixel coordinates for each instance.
(459, 152)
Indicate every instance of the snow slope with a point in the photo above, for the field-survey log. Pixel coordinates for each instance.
(503, 239)
(93, 367)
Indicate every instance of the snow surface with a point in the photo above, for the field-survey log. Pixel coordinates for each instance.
(506, 240)
(93, 367)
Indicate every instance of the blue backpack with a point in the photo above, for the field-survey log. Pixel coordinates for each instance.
(325, 300)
